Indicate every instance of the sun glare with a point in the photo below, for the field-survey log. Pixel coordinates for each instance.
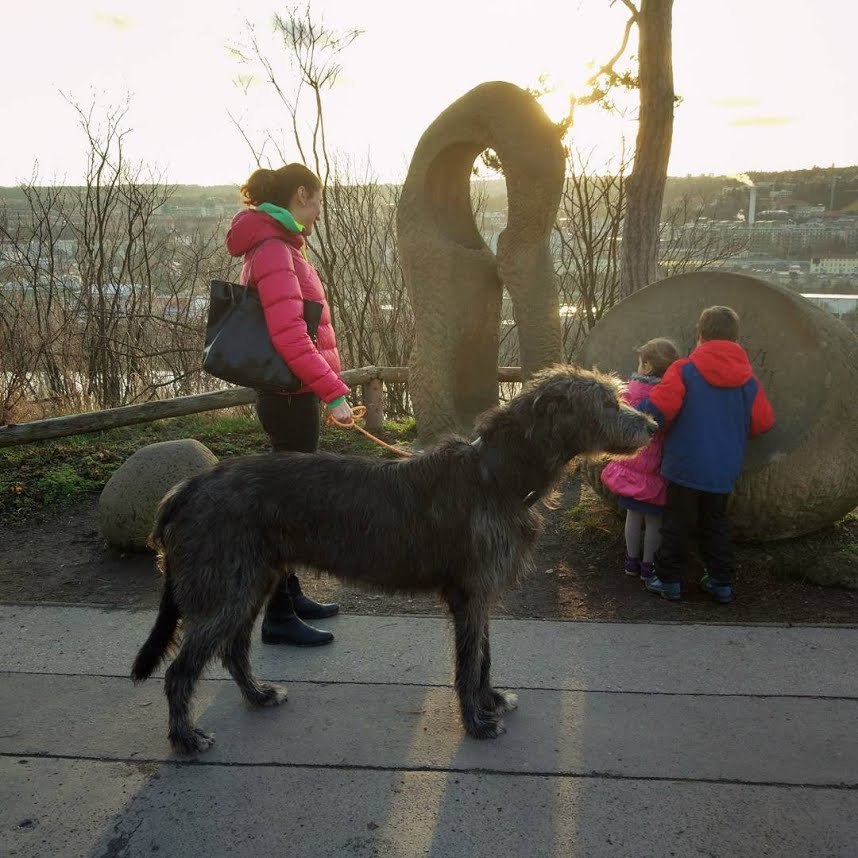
(557, 103)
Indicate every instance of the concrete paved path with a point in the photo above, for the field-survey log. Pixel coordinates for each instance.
(630, 740)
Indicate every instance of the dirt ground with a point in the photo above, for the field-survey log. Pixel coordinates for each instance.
(60, 557)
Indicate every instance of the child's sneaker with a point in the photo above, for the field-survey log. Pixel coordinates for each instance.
(720, 591)
(666, 589)
(647, 571)
(633, 567)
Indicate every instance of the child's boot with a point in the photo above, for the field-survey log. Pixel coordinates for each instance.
(647, 571)
(633, 567)
(669, 590)
(720, 591)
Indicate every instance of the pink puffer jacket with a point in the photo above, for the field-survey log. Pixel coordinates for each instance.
(639, 477)
(276, 267)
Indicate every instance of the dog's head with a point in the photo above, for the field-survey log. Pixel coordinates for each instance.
(565, 411)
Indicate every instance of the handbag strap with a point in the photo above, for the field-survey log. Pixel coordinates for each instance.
(305, 300)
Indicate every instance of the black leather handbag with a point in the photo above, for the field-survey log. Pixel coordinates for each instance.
(238, 346)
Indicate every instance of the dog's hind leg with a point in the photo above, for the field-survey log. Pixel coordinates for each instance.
(491, 699)
(199, 645)
(469, 618)
(236, 659)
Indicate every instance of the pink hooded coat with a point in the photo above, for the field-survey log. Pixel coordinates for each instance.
(639, 477)
(275, 266)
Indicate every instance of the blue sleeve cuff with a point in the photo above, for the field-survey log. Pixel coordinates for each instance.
(648, 408)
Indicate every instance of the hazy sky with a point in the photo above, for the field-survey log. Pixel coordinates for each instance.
(765, 83)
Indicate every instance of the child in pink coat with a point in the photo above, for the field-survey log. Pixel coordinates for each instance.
(637, 481)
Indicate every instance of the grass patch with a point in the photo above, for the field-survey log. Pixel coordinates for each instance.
(592, 520)
(51, 474)
(61, 482)
(828, 557)
(838, 569)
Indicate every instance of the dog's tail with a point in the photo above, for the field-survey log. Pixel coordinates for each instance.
(166, 509)
(164, 631)
(160, 638)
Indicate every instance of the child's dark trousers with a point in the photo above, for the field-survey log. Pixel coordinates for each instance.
(689, 511)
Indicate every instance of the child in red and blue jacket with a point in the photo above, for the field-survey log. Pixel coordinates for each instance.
(712, 402)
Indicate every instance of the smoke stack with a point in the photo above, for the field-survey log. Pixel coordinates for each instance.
(752, 208)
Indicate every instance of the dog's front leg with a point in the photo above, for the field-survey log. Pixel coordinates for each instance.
(491, 699)
(469, 620)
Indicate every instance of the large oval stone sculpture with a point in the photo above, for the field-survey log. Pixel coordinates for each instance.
(454, 280)
(803, 474)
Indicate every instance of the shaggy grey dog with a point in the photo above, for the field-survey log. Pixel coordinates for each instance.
(458, 519)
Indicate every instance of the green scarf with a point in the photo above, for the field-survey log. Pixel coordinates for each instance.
(286, 219)
(282, 216)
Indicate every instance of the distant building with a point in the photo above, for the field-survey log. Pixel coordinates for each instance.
(834, 264)
(808, 211)
(194, 211)
(773, 215)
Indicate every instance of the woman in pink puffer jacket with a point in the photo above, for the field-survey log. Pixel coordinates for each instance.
(282, 208)
(637, 481)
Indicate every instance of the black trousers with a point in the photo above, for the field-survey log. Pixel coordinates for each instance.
(291, 422)
(689, 511)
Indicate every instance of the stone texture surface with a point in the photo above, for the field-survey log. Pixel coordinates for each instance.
(803, 474)
(454, 280)
(126, 508)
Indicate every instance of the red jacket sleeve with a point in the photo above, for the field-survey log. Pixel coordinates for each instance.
(668, 395)
(273, 273)
(762, 414)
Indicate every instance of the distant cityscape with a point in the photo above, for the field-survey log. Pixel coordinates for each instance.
(799, 230)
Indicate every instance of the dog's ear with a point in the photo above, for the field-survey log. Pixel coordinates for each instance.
(543, 410)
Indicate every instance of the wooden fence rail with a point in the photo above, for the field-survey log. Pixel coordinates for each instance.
(371, 378)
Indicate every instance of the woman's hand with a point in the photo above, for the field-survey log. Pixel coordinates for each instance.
(341, 412)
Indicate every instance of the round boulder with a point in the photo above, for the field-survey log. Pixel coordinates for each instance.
(803, 474)
(126, 508)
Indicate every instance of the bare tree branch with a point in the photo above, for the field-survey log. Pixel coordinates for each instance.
(608, 68)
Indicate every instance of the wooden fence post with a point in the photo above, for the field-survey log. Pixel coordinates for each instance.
(373, 394)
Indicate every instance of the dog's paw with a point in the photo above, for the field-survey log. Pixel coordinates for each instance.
(273, 695)
(510, 699)
(499, 702)
(485, 728)
(194, 742)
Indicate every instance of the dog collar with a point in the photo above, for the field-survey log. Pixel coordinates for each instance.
(531, 497)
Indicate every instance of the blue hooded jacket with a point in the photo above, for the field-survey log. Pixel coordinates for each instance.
(712, 403)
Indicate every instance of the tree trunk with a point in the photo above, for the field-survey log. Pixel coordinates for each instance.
(645, 190)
